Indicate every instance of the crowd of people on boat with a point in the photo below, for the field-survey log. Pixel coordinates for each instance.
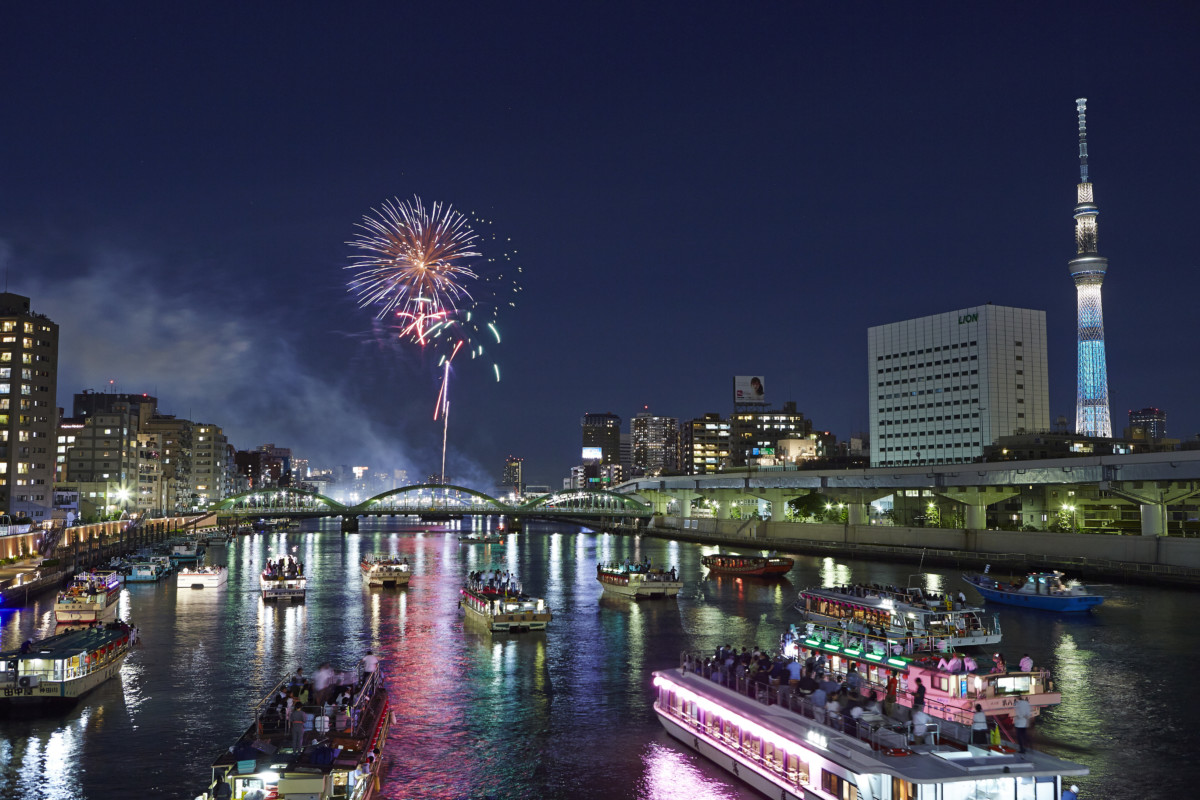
(645, 567)
(496, 582)
(286, 567)
(914, 596)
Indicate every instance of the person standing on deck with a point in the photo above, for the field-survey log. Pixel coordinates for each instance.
(370, 663)
(297, 720)
(919, 697)
(1026, 663)
(1021, 713)
(979, 727)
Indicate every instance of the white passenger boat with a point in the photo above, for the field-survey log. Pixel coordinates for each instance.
(503, 610)
(481, 538)
(385, 570)
(60, 669)
(91, 598)
(186, 551)
(338, 754)
(638, 580)
(283, 580)
(202, 577)
(783, 747)
(920, 620)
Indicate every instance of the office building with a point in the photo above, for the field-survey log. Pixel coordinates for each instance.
(28, 410)
(512, 479)
(944, 387)
(602, 438)
(1147, 423)
(706, 444)
(755, 432)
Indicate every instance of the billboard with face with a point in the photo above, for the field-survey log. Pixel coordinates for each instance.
(592, 454)
(749, 389)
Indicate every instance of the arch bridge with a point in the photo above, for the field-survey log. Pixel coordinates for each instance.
(433, 500)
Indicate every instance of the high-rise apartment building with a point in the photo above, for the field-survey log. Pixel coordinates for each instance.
(175, 438)
(103, 463)
(1088, 268)
(655, 444)
(512, 479)
(209, 464)
(28, 410)
(706, 445)
(944, 387)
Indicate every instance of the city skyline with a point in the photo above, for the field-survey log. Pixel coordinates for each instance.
(182, 216)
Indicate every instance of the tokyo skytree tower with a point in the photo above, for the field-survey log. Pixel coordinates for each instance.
(1092, 416)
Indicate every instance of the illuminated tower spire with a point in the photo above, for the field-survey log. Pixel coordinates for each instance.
(1088, 269)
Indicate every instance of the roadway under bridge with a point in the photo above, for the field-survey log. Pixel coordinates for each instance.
(1145, 491)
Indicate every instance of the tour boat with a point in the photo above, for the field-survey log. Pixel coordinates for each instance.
(1045, 590)
(340, 753)
(760, 566)
(202, 577)
(481, 538)
(287, 583)
(638, 580)
(951, 692)
(62, 668)
(779, 744)
(919, 619)
(503, 610)
(385, 570)
(91, 597)
(145, 572)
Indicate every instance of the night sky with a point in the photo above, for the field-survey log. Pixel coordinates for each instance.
(693, 191)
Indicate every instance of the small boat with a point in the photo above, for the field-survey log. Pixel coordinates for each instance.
(505, 610)
(922, 620)
(283, 580)
(735, 564)
(1045, 590)
(189, 551)
(638, 580)
(91, 598)
(477, 538)
(202, 577)
(385, 570)
(145, 572)
(338, 751)
(60, 669)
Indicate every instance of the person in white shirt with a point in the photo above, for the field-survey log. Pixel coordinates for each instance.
(370, 663)
(979, 727)
(1022, 712)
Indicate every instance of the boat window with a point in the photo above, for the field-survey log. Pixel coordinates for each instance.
(903, 790)
(797, 769)
(838, 786)
(773, 757)
(712, 724)
(942, 682)
(730, 732)
(752, 745)
(984, 789)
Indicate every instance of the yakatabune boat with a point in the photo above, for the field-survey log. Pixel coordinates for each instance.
(638, 580)
(921, 620)
(951, 691)
(91, 597)
(505, 610)
(736, 564)
(337, 755)
(62, 668)
(385, 571)
(777, 742)
(1045, 590)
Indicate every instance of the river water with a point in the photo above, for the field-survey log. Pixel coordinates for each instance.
(561, 714)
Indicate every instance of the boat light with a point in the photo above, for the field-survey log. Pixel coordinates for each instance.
(897, 662)
(874, 657)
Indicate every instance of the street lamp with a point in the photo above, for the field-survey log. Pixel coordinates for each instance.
(1071, 508)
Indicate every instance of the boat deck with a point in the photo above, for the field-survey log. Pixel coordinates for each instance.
(66, 645)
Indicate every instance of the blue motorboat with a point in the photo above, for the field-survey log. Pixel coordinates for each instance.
(1045, 590)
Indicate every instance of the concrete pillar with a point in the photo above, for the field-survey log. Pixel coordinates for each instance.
(685, 498)
(1154, 519)
(976, 516)
(857, 513)
(976, 500)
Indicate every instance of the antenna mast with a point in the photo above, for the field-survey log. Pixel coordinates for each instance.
(1081, 108)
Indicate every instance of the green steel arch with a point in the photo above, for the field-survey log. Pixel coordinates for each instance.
(237, 501)
(365, 507)
(626, 503)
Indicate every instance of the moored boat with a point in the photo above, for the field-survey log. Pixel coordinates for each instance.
(336, 751)
(91, 598)
(503, 608)
(737, 564)
(783, 746)
(921, 620)
(1044, 590)
(638, 580)
(145, 572)
(208, 577)
(283, 580)
(60, 669)
(385, 570)
(481, 538)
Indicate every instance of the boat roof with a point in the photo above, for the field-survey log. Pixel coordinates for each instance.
(925, 765)
(72, 643)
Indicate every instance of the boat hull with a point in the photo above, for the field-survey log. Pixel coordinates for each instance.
(759, 568)
(1044, 602)
(505, 623)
